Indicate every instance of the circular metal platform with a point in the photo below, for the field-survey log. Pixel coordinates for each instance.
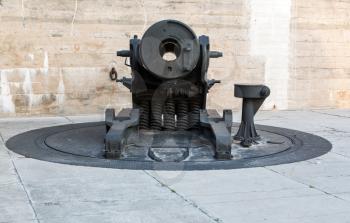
(83, 144)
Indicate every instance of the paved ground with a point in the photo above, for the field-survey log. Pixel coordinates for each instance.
(316, 190)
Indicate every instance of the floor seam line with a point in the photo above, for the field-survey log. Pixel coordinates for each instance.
(188, 201)
(68, 119)
(309, 186)
(324, 113)
(25, 190)
(348, 157)
(2, 138)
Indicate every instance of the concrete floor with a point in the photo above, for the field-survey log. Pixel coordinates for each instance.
(316, 190)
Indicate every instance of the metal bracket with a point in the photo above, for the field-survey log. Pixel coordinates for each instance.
(116, 128)
(253, 97)
(220, 128)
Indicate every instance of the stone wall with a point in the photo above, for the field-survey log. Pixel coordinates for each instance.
(320, 54)
(55, 55)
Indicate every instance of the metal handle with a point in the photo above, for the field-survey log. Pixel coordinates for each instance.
(212, 82)
(215, 54)
(123, 53)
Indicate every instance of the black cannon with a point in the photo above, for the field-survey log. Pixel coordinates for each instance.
(169, 88)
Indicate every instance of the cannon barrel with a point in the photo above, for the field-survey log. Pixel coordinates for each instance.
(169, 49)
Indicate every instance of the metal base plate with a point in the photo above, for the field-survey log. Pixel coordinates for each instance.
(83, 144)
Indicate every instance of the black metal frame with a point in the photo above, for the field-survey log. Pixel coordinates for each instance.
(170, 95)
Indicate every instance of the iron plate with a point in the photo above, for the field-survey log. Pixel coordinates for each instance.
(82, 144)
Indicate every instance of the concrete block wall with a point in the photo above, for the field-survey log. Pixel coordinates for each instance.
(55, 55)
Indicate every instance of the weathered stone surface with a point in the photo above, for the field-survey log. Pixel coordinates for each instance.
(319, 67)
(55, 55)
